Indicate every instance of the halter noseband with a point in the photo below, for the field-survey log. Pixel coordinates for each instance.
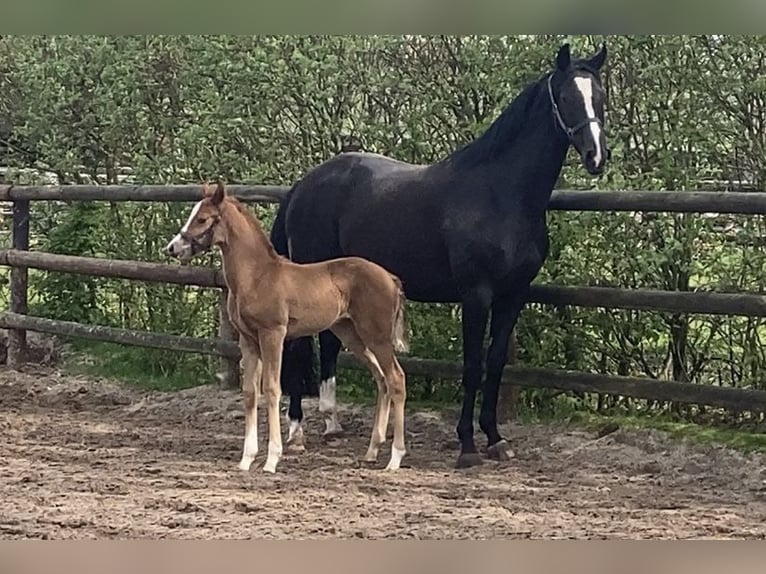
(196, 242)
(567, 130)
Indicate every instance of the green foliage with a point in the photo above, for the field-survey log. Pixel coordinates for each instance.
(684, 113)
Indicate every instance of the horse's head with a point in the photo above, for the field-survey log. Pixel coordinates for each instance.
(577, 98)
(200, 231)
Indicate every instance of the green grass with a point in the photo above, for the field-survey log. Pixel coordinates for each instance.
(135, 366)
(740, 438)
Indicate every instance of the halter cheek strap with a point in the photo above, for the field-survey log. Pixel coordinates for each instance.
(196, 242)
(556, 114)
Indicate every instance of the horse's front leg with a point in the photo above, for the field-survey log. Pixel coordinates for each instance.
(476, 304)
(505, 313)
(271, 342)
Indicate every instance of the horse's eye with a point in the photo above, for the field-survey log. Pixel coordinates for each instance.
(201, 220)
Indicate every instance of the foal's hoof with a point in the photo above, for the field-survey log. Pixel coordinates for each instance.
(500, 451)
(332, 429)
(296, 447)
(469, 459)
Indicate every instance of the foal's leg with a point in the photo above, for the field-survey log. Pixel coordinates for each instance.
(348, 334)
(329, 347)
(271, 354)
(397, 390)
(251, 380)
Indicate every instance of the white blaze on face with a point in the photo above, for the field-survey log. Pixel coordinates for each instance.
(585, 87)
(178, 243)
(195, 210)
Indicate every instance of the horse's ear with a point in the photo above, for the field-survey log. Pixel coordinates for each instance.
(598, 60)
(218, 194)
(563, 57)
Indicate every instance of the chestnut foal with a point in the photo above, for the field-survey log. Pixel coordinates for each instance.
(272, 299)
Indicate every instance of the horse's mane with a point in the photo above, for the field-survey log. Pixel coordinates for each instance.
(508, 125)
(255, 225)
(502, 132)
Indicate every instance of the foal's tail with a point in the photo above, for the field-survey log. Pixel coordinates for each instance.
(401, 342)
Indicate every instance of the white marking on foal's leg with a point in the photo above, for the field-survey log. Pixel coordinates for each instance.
(328, 403)
(275, 453)
(396, 458)
(250, 449)
(585, 87)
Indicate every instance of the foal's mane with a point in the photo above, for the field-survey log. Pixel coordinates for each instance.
(254, 224)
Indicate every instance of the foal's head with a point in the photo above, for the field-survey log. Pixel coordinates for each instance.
(577, 97)
(201, 231)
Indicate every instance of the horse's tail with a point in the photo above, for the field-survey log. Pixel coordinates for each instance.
(278, 235)
(401, 342)
(298, 369)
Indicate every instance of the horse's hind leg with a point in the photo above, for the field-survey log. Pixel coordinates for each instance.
(329, 347)
(347, 333)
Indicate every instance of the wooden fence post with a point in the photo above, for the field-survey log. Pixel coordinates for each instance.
(17, 338)
(229, 370)
(508, 402)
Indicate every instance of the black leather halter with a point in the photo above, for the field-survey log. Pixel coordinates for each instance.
(567, 130)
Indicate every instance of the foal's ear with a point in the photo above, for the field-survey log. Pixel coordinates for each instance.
(218, 194)
(598, 60)
(563, 57)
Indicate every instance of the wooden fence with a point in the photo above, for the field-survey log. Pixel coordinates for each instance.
(19, 259)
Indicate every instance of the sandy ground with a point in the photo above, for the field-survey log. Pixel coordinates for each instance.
(83, 458)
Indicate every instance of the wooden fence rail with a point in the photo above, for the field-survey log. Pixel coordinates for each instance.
(17, 321)
(573, 381)
(742, 202)
(745, 304)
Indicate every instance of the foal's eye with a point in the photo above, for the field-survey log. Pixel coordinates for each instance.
(201, 220)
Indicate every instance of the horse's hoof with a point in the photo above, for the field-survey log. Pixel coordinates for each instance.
(469, 459)
(500, 451)
(295, 448)
(332, 434)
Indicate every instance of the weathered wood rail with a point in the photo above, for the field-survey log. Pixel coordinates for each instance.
(741, 202)
(19, 259)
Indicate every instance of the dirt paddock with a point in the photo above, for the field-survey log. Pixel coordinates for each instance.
(83, 458)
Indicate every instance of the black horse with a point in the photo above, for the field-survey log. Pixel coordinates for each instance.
(470, 228)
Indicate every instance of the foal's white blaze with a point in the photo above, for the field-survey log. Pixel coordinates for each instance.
(192, 215)
(585, 87)
(179, 243)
